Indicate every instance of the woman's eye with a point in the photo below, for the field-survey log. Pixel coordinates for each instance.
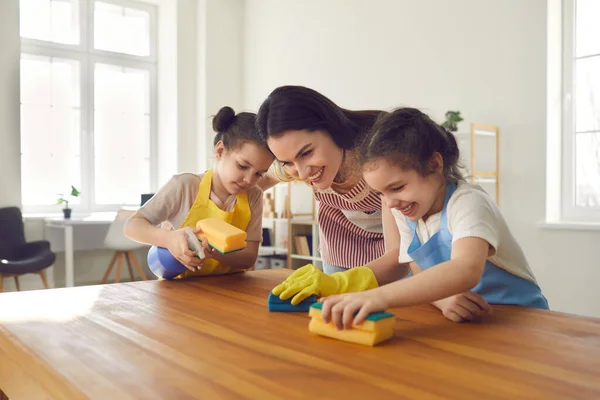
(240, 166)
(285, 164)
(306, 153)
(398, 188)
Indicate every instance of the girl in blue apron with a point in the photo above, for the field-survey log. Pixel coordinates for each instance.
(458, 246)
(227, 191)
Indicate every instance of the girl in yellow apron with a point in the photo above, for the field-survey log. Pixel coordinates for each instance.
(228, 192)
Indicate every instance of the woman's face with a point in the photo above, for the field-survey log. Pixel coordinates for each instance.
(311, 156)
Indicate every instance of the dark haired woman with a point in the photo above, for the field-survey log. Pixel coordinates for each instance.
(316, 141)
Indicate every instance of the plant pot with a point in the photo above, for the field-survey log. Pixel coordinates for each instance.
(67, 213)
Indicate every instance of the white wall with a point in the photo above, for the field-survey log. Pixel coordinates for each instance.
(220, 67)
(486, 58)
(10, 144)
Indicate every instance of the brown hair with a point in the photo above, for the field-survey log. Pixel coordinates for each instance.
(235, 129)
(408, 138)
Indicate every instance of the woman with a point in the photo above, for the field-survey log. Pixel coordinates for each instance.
(316, 141)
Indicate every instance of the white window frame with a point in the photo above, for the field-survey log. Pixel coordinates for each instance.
(87, 56)
(568, 209)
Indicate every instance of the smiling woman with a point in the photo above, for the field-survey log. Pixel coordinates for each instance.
(316, 141)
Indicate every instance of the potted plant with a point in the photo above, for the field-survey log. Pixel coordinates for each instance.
(452, 118)
(63, 200)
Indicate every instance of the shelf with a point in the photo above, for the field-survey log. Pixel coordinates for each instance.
(307, 258)
(485, 180)
(477, 133)
(272, 249)
(272, 220)
(300, 221)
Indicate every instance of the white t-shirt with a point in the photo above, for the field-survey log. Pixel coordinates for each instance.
(471, 213)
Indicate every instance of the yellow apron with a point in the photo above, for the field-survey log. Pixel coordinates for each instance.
(204, 207)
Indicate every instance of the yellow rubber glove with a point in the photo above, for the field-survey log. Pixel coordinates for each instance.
(308, 280)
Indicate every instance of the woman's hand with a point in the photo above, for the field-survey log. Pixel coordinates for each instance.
(468, 306)
(350, 309)
(180, 249)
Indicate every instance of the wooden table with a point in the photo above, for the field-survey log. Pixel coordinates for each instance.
(213, 338)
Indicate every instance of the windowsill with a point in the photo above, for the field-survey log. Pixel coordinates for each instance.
(75, 215)
(40, 216)
(570, 225)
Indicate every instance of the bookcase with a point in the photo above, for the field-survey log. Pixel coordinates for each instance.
(480, 155)
(290, 228)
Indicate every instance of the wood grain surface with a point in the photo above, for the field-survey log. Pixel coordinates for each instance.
(213, 338)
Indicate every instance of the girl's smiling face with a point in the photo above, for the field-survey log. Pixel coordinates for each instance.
(414, 195)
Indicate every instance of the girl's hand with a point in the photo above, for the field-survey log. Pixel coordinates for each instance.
(209, 252)
(180, 249)
(350, 309)
(467, 306)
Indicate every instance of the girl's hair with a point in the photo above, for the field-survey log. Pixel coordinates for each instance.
(408, 138)
(235, 129)
(301, 108)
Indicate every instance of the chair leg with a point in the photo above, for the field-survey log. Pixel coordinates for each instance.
(43, 276)
(137, 265)
(110, 267)
(17, 283)
(1, 282)
(129, 266)
(119, 265)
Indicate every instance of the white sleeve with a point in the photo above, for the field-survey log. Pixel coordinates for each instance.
(406, 237)
(472, 214)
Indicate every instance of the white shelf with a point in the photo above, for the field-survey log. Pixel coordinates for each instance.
(308, 258)
(477, 133)
(484, 180)
(272, 249)
(302, 221)
(485, 133)
(272, 220)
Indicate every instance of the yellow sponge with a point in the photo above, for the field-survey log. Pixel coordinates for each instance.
(221, 236)
(375, 329)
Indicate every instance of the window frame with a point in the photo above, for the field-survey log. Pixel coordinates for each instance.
(87, 57)
(569, 211)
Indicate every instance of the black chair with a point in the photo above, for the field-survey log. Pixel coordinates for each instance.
(18, 257)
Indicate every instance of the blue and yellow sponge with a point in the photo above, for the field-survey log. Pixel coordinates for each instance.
(276, 304)
(375, 329)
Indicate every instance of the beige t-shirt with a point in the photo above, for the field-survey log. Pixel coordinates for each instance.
(471, 213)
(174, 200)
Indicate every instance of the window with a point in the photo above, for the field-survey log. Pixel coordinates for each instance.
(88, 103)
(581, 105)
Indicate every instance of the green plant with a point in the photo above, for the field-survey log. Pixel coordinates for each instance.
(63, 199)
(452, 118)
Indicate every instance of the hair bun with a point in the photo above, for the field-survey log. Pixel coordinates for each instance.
(223, 120)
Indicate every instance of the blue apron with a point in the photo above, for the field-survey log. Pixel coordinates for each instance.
(497, 286)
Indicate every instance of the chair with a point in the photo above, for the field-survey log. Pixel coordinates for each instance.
(18, 257)
(124, 248)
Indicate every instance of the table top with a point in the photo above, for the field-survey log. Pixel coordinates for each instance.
(214, 338)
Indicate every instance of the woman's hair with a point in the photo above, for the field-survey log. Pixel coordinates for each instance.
(300, 108)
(235, 129)
(408, 138)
